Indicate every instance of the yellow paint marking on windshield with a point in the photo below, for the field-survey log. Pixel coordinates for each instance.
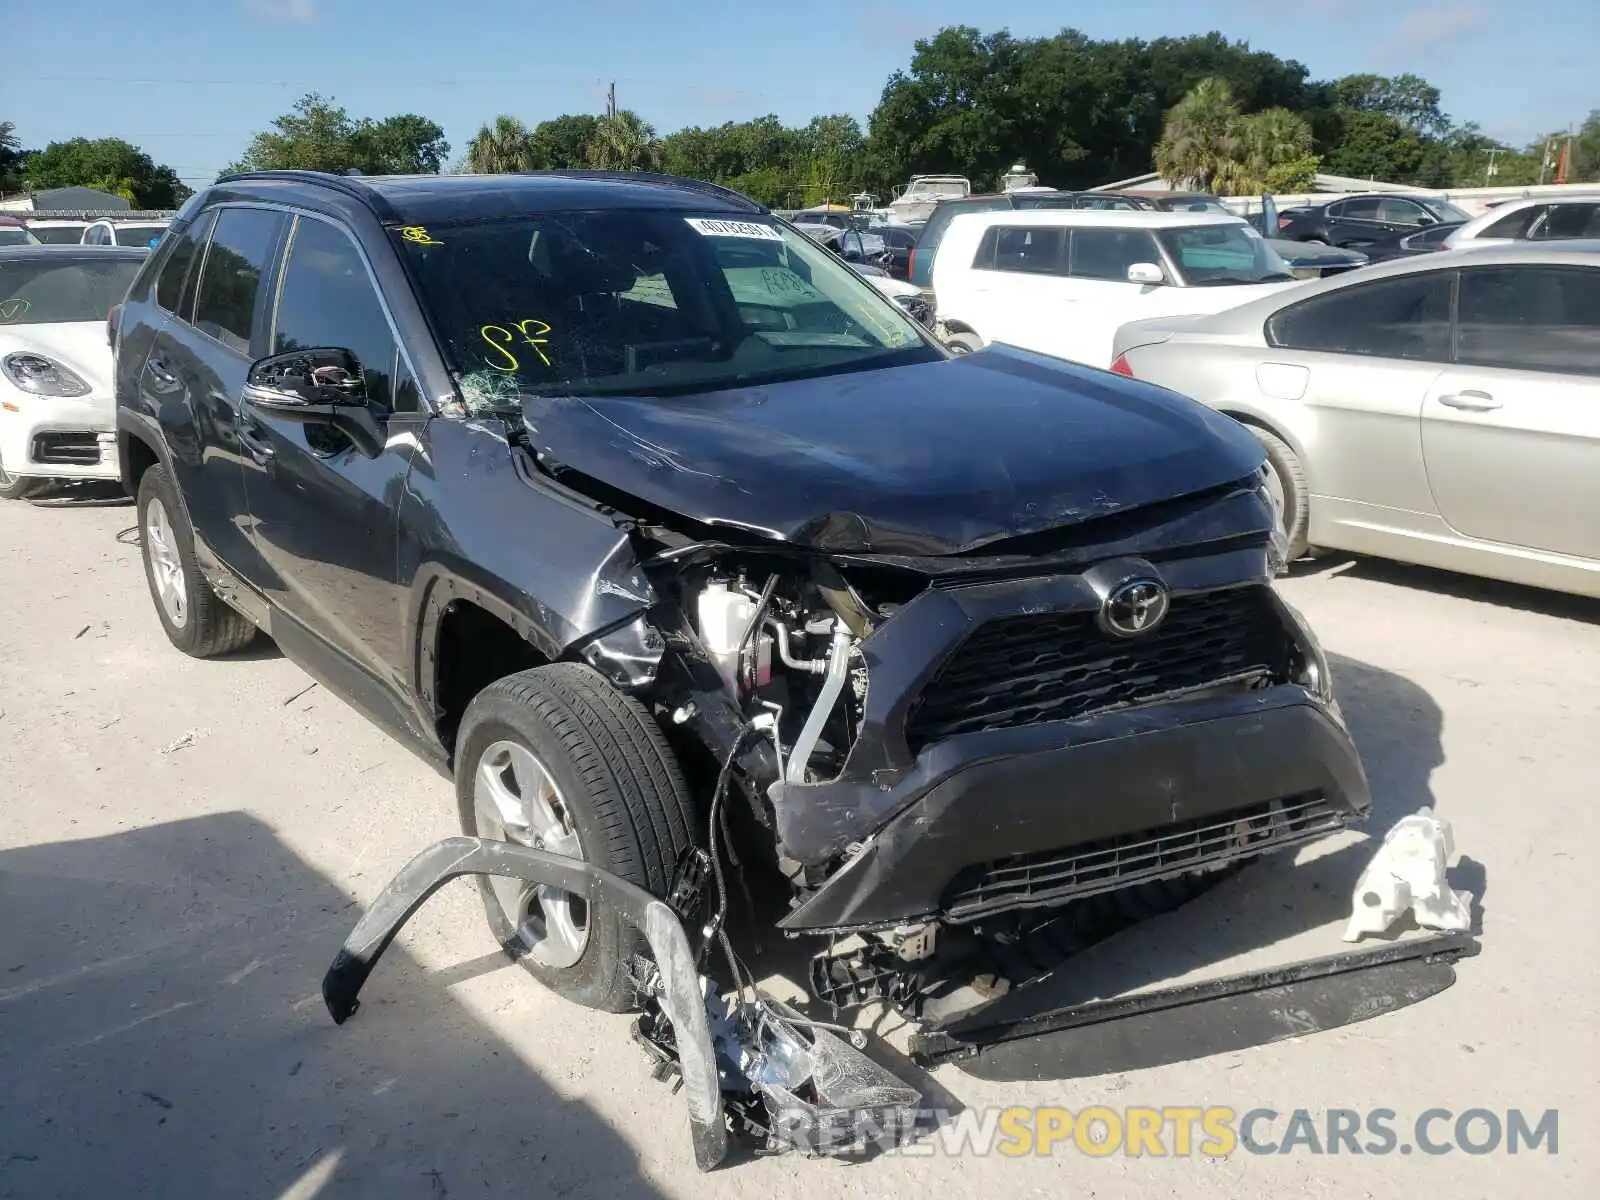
(419, 236)
(534, 333)
(499, 347)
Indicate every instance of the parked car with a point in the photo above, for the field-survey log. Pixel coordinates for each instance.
(15, 233)
(1532, 220)
(1427, 240)
(1306, 260)
(1061, 283)
(1443, 409)
(591, 485)
(899, 243)
(1358, 221)
(57, 416)
(919, 267)
(57, 231)
(144, 234)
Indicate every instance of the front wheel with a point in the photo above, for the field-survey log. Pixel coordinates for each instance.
(17, 487)
(557, 759)
(1287, 480)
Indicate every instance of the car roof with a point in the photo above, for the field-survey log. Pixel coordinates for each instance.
(68, 251)
(1506, 207)
(1250, 315)
(426, 199)
(1098, 218)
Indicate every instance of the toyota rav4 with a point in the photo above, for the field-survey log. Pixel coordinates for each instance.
(648, 520)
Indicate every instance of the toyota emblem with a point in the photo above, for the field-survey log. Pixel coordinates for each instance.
(1134, 607)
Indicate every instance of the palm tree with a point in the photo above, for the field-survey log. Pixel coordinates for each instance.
(624, 141)
(503, 147)
(1272, 138)
(1200, 144)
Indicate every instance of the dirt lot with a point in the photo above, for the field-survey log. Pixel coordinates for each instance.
(183, 844)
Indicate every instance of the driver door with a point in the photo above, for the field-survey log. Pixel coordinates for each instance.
(323, 511)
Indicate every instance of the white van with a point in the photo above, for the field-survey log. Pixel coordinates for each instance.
(1062, 281)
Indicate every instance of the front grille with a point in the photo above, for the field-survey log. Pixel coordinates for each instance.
(1055, 876)
(80, 449)
(1023, 670)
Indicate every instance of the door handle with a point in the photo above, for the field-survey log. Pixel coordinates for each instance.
(256, 446)
(1471, 400)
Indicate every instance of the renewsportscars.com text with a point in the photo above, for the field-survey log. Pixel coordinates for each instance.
(1177, 1131)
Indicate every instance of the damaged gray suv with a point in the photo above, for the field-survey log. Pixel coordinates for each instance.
(663, 533)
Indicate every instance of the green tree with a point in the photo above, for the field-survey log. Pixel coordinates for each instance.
(1410, 100)
(319, 135)
(502, 147)
(562, 144)
(12, 158)
(1376, 146)
(85, 162)
(623, 141)
(1203, 144)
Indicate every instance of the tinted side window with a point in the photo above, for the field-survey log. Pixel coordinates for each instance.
(176, 271)
(1014, 248)
(230, 281)
(1365, 209)
(1400, 212)
(1108, 253)
(939, 221)
(1570, 221)
(1513, 224)
(1408, 317)
(327, 300)
(1532, 318)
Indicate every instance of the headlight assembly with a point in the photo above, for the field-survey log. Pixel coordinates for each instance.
(42, 376)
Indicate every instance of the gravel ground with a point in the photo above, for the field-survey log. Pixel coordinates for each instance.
(183, 844)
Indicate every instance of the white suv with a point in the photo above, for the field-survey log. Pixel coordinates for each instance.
(1534, 219)
(1061, 282)
(143, 234)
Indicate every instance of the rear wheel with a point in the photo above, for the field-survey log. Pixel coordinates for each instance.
(195, 618)
(557, 759)
(1286, 478)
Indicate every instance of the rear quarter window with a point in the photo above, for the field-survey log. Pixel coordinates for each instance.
(1407, 317)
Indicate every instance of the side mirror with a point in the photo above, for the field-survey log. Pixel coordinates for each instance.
(1144, 272)
(306, 384)
(321, 386)
(1425, 219)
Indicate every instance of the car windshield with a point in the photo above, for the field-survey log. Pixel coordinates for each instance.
(645, 303)
(59, 235)
(139, 235)
(15, 235)
(1445, 211)
(1212, 255)
(46, 291)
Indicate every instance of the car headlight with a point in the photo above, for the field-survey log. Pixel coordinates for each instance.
(1279, 542)
(42, 376)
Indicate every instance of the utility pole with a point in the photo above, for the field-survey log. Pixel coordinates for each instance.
(611, 99)
(1493, 168)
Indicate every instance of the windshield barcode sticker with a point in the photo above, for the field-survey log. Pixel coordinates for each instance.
(710, 227)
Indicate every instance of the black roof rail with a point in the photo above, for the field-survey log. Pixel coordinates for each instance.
(350, 185)
(677, 181)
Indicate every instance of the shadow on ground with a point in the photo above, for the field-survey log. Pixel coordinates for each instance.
(162, 1034)
(1449, 583)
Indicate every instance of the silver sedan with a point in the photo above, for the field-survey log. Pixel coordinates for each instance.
(1442, 410)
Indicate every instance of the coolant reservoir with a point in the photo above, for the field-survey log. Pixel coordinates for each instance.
(722, 615)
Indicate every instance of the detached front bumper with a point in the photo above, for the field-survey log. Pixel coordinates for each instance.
(1025, 772)
(58, 438)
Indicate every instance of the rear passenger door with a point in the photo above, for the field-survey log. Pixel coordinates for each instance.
(196, 369)
(1511, 432)
(324, 510)
(1017, 291)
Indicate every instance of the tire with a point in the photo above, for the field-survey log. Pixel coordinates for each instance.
(619, 791)
(963, 343)
(203, 626)
(17, 487)
(1291, 477)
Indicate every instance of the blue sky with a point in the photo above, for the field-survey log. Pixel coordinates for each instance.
(191, 80)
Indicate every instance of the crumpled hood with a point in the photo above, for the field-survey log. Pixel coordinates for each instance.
(80, 346)
(931, 459)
